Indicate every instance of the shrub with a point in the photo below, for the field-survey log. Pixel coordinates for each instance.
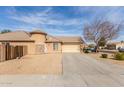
(104, 56)
(86, 50)
(119, 56)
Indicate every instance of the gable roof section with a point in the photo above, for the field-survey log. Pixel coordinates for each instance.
(15, 36)
(64, 39)
(70, 39)
(25, 36)
(50, 38)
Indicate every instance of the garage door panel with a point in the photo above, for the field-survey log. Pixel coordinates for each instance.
(71, 48)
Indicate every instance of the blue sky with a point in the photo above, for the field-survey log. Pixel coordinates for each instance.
(57, 20)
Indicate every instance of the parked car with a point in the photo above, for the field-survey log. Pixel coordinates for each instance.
(121, 49)
(93, 49)
(89, 50)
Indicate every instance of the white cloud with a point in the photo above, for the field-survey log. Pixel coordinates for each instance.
(114, 14)
(46, 17)
(62, 32)
(37, 20)
(27, 19)
(11, 10)
(120, 38)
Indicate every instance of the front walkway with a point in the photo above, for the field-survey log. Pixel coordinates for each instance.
(78, 70)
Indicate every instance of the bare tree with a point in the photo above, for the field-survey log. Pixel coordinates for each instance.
(101, 29)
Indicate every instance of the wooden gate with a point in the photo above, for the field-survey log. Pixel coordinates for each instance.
(8, 52)
(2, 53)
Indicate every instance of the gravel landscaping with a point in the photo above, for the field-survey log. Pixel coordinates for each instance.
(33, 64)
(110, 58)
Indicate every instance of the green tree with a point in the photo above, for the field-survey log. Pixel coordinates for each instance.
(5, 31)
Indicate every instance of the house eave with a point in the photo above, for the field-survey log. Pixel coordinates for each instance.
(53, 42)
(17, 41)
(71, 42)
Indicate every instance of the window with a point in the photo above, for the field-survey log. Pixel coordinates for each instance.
(55, 46)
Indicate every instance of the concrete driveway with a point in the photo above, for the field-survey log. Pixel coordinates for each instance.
(78, 70)
(91, 72)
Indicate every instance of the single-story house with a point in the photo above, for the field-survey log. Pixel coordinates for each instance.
(115, 45)
(39, 42)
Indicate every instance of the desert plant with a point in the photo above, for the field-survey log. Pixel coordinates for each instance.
(119, 56)
(86, 50)
(104, 56)
(91, 45)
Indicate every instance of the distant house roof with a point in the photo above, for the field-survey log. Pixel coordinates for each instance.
(115, 43)
(38, 32)
(70, 39)
(15, 36)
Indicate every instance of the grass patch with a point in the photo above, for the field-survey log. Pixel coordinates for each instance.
(119, 56)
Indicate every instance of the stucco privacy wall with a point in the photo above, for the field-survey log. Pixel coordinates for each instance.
(30, 46)
(50, 48)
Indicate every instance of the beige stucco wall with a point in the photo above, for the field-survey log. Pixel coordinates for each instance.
(38, 38)
(50, 48)
(30, 46)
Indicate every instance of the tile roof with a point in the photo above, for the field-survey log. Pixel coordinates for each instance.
(38, 32)
(52, 39)
(25, 36)
(15, 36)
(66, 39)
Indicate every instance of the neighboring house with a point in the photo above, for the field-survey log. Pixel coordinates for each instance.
(39, 42)
(115, 45)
